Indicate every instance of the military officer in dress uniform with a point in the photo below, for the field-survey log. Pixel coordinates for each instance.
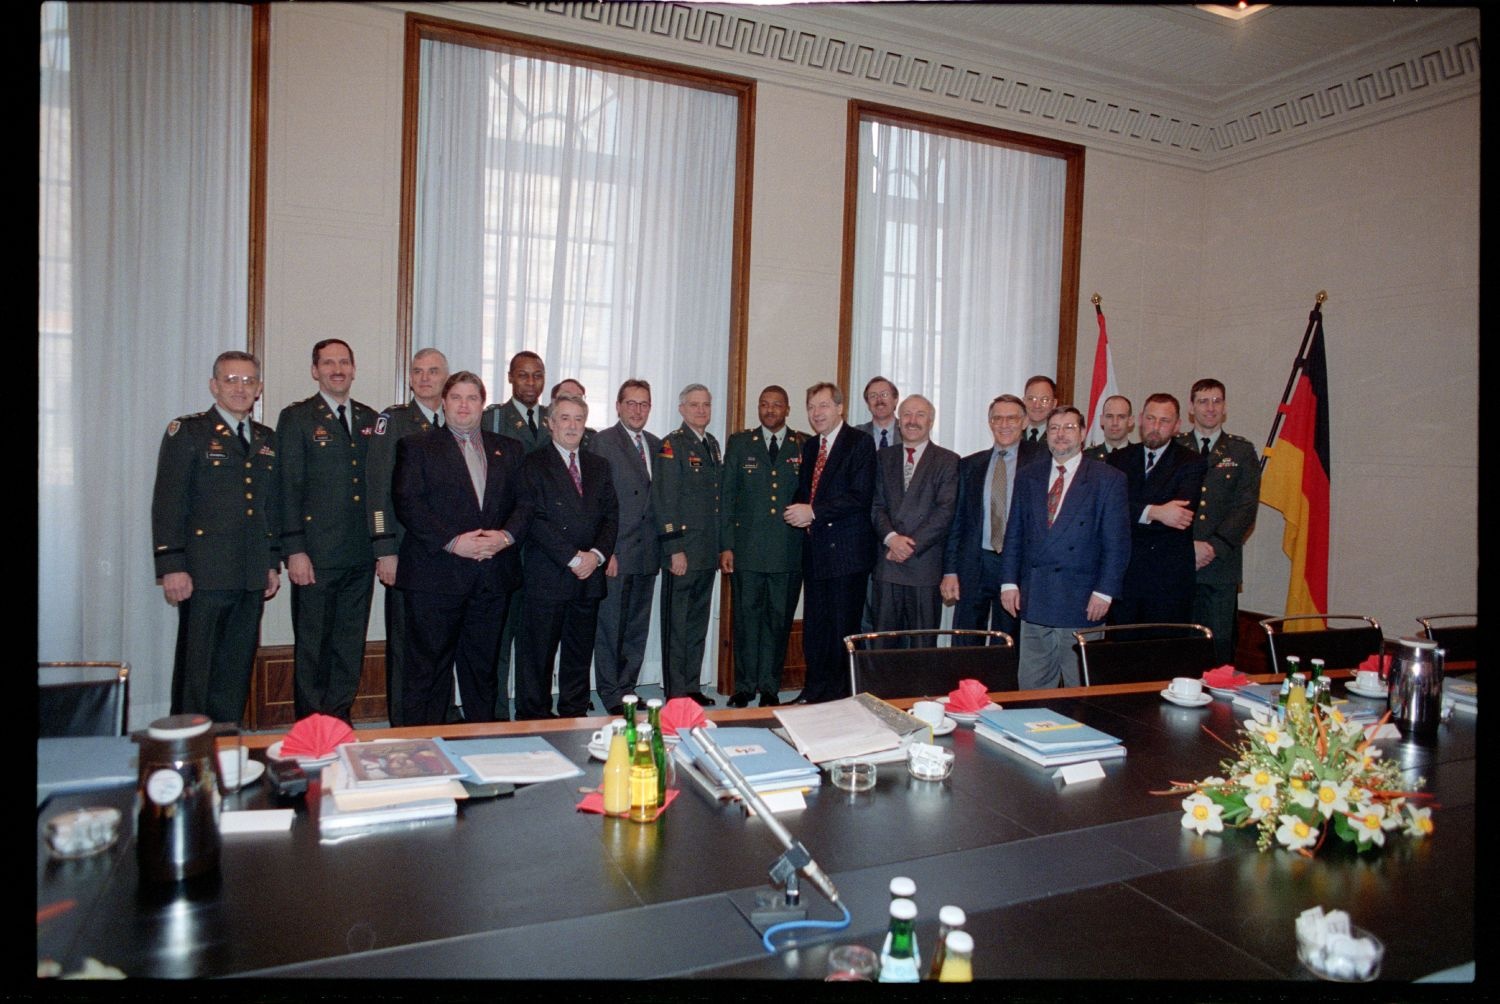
(217, 539)
(325, 494)
(1225, 516)
(524, 419)
(759, 550)
(1116, 421)
(429, 371)
(685, 492)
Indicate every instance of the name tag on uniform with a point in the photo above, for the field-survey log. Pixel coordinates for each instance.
(694, 461)
(320, 435)
(751, 464)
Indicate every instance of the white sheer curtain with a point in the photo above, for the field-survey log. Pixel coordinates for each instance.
(585, 215)
(143, 261)
(958, 272)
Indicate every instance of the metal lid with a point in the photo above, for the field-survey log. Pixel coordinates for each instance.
(1423, 643)
(903, 886)
(953, 916)
(179, 727)
(961, 942)
(903, 909)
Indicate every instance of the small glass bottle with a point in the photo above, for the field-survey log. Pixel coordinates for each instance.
(1293, 667)
(1322, 687)
(630, 702)
(958, 958)
(658, 749)
(950, 919)
(901, 887)
(643, 796)
(898, 964)
(617, 773)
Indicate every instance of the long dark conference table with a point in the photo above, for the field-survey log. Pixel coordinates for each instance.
(1095, 880)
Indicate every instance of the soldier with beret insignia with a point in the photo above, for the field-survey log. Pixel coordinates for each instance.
(216, 532)
(761, 553)
(685, 493)
(325, 494)
(429, 372)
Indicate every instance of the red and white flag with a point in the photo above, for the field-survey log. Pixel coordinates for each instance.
(1103, 386)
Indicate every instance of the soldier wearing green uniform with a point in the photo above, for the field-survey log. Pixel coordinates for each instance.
(217, 539)
(429, 371)
(759, 550)
(685, 493)
(1225, 516)
(1116, 421)
(324, 443)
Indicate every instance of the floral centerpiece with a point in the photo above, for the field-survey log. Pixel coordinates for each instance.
(1298, 776)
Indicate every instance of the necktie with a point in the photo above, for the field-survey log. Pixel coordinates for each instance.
(773, 448)
(997, 502)
(884, 442)
(812, 494)
(239, 430)
(640, 447)
(573, 470)
(344, 423)
(531, 420)
(1032, 435)
(437, 419)
(910, 467)
(1204, 451)
(1054, 495)
(475, 461)
(1150, 460)
(713, 449)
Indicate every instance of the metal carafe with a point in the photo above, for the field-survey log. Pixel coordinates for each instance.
(1415, 694)
(177, 831)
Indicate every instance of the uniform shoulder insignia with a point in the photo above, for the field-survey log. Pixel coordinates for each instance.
(173, 426)
(380, 424)
(666, 449)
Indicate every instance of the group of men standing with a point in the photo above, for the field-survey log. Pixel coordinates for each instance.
(517, 520)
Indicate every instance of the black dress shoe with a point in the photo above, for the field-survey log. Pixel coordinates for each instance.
(768, 699)
(799, 699)
(703, 699)
(740, 701)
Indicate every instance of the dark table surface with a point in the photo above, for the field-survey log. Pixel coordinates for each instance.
(1091, 880)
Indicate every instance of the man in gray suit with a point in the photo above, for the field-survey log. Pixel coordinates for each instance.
(625, 611)
(881, 397)
(916, 491)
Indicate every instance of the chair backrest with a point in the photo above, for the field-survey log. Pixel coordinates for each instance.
(1342, 647)
(1459, 640)
(82, 698)
(1135, 653)
(879, 666)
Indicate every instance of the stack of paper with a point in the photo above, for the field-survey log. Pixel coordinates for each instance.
(767, 762)
(1258, 695)
(852, 727)
(345, 806)
(1045, 737)
(509, 760)
(1463, 691)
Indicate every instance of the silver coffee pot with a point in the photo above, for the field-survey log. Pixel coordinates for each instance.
(1415, 694)
(177, 832)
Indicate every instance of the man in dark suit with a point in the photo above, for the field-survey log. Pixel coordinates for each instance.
(571, 386)
(458, 494)
(1067, 542)
(324, 443)
(625, 611)
(916, 489)
(986, 484)
(574, 522)
(1163, 482)
(832, 503)
(1040, 396)
(1226, 513)
(216, 531)
(1116, 422)
(761, 554)
(428, 377)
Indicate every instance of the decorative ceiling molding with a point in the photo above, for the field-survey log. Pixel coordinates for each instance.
(812, 51)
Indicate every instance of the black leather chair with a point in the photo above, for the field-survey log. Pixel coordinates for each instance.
(82, 698)
(1458, 636)
(877, 666)
(1340, 647)
(1135, 653)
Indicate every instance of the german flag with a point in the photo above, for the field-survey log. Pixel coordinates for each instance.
(1295, 480)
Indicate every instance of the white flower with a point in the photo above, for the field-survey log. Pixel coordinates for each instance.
(1201, 813)
(1332, 796)
(1261, 802)
(1270, 733)
(1258, 778)
(1369, 823)
(1296, 834)
(1418, 821)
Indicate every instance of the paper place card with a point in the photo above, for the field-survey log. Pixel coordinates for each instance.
(781, 801)
(257, 821)
(1073, 772)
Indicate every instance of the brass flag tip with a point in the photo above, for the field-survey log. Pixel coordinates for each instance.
(1096, 299)
(1322, 295)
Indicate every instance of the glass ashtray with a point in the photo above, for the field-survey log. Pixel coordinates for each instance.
(1352, 958)
(930, 764)
(852, 775)
(81, 832)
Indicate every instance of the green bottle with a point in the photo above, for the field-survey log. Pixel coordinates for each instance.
(658, 749)
(899, 963)
(630, 701)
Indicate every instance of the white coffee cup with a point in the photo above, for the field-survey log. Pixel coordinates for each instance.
(232, 763)
(1368, 679)
(930, 712)
(1186, 687)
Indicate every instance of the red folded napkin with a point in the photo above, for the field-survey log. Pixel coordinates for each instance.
(1226, 677)
(316, 736)
(594, 801)
(970, 698)
(680, 714)
(1374, 662)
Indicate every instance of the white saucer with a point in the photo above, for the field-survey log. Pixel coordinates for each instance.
(1358, 691)
(948, 726)
(968, 717)
(251, 773)
(1186, 702)
(1225, 692)
(274, 752)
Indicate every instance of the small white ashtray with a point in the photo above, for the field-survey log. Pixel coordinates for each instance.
(852, 775)
(927, 762)
(78, 833)
(1334, 949)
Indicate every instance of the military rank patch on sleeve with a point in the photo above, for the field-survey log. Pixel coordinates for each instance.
(666, 450)
(380, 426)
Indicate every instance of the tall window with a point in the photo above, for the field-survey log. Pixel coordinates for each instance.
(959, 287)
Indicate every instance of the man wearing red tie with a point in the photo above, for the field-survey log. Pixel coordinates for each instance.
(832, 503)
